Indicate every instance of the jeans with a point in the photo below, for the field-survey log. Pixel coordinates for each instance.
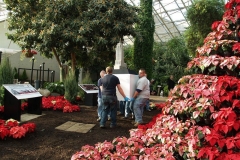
(109, 106)
(147, 105)
(99, 110)
(138, 108)
(122, 107)
(128, 108)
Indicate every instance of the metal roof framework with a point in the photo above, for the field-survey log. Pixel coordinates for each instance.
(169, 16)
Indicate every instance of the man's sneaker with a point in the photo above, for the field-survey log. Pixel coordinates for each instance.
(109, 118)
(99, 119)
(136, 124)
(102, 126)
(124, 117)
(149, 110)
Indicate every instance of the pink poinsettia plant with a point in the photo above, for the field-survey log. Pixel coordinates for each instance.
(201, 118)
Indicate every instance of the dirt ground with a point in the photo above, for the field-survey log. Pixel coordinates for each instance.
(48, 143)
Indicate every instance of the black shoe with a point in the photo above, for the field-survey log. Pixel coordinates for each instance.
(102, 126)
(113, 126)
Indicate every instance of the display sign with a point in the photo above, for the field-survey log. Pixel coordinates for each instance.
(22, 91)
(89, 88)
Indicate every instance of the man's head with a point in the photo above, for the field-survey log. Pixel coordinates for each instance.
(141, 72)
(102, 73)
(109, 70)
(171, 77)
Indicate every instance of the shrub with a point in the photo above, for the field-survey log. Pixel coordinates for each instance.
(71, 87)
(6, 72)
(24, 76)
(57, 87)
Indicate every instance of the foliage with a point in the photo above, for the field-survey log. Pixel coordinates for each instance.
(6, 72)
(24, 76)
(128, 56)
(86, 80)
(70, 30)
(15, 73)
(200, 119)
(171, 58)
(1, 95)
(143, 44)
(57, 87)
(201, 14)
(71, 87)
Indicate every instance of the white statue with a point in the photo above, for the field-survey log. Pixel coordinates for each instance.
(119, 62)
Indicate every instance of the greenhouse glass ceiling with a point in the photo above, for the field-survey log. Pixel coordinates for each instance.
(169, 16)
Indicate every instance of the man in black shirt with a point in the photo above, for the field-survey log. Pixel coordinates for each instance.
(108, 86)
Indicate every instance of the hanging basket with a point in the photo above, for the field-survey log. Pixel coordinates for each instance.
(28, 55)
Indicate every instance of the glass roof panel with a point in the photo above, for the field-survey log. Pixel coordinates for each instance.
(169, 16)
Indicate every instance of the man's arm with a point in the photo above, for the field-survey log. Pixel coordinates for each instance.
(120, 90)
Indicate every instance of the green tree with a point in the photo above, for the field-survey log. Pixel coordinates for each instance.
(6, 72)
(143, 44)
(201, 14)
(79, 32)
(128, 56)
(171, 59)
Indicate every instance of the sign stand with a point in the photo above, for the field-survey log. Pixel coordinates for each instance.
(91, 92)
(13, 93)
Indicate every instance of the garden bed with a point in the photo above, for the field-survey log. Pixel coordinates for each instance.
(50, 143)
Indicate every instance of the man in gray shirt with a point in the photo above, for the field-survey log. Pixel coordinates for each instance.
(140, 97)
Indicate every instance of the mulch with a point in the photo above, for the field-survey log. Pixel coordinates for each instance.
(52, 144)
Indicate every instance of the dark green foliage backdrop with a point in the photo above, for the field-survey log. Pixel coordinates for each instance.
(143, 44)
(171, 58)
(201, 14)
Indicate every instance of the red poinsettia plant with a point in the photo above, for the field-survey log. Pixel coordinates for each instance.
(12, 128)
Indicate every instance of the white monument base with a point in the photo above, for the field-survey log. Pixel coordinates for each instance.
(128, 83)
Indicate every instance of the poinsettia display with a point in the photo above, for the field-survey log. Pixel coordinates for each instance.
(59, 103)
(201, 118)
(11, 128)
(54, 103)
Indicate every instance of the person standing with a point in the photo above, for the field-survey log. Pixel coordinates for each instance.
(170, 83)
(108, 86)
(99, 110)
(140, 97)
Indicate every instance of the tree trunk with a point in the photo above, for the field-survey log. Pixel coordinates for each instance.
(59, 63)
(73, 57)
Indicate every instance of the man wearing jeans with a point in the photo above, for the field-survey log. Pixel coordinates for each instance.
(109, 98)
(99, 110)
(140, 97)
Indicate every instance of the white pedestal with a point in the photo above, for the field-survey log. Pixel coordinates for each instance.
(128, 83)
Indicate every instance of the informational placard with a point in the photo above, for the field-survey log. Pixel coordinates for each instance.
(22, 91)
(89, 88)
